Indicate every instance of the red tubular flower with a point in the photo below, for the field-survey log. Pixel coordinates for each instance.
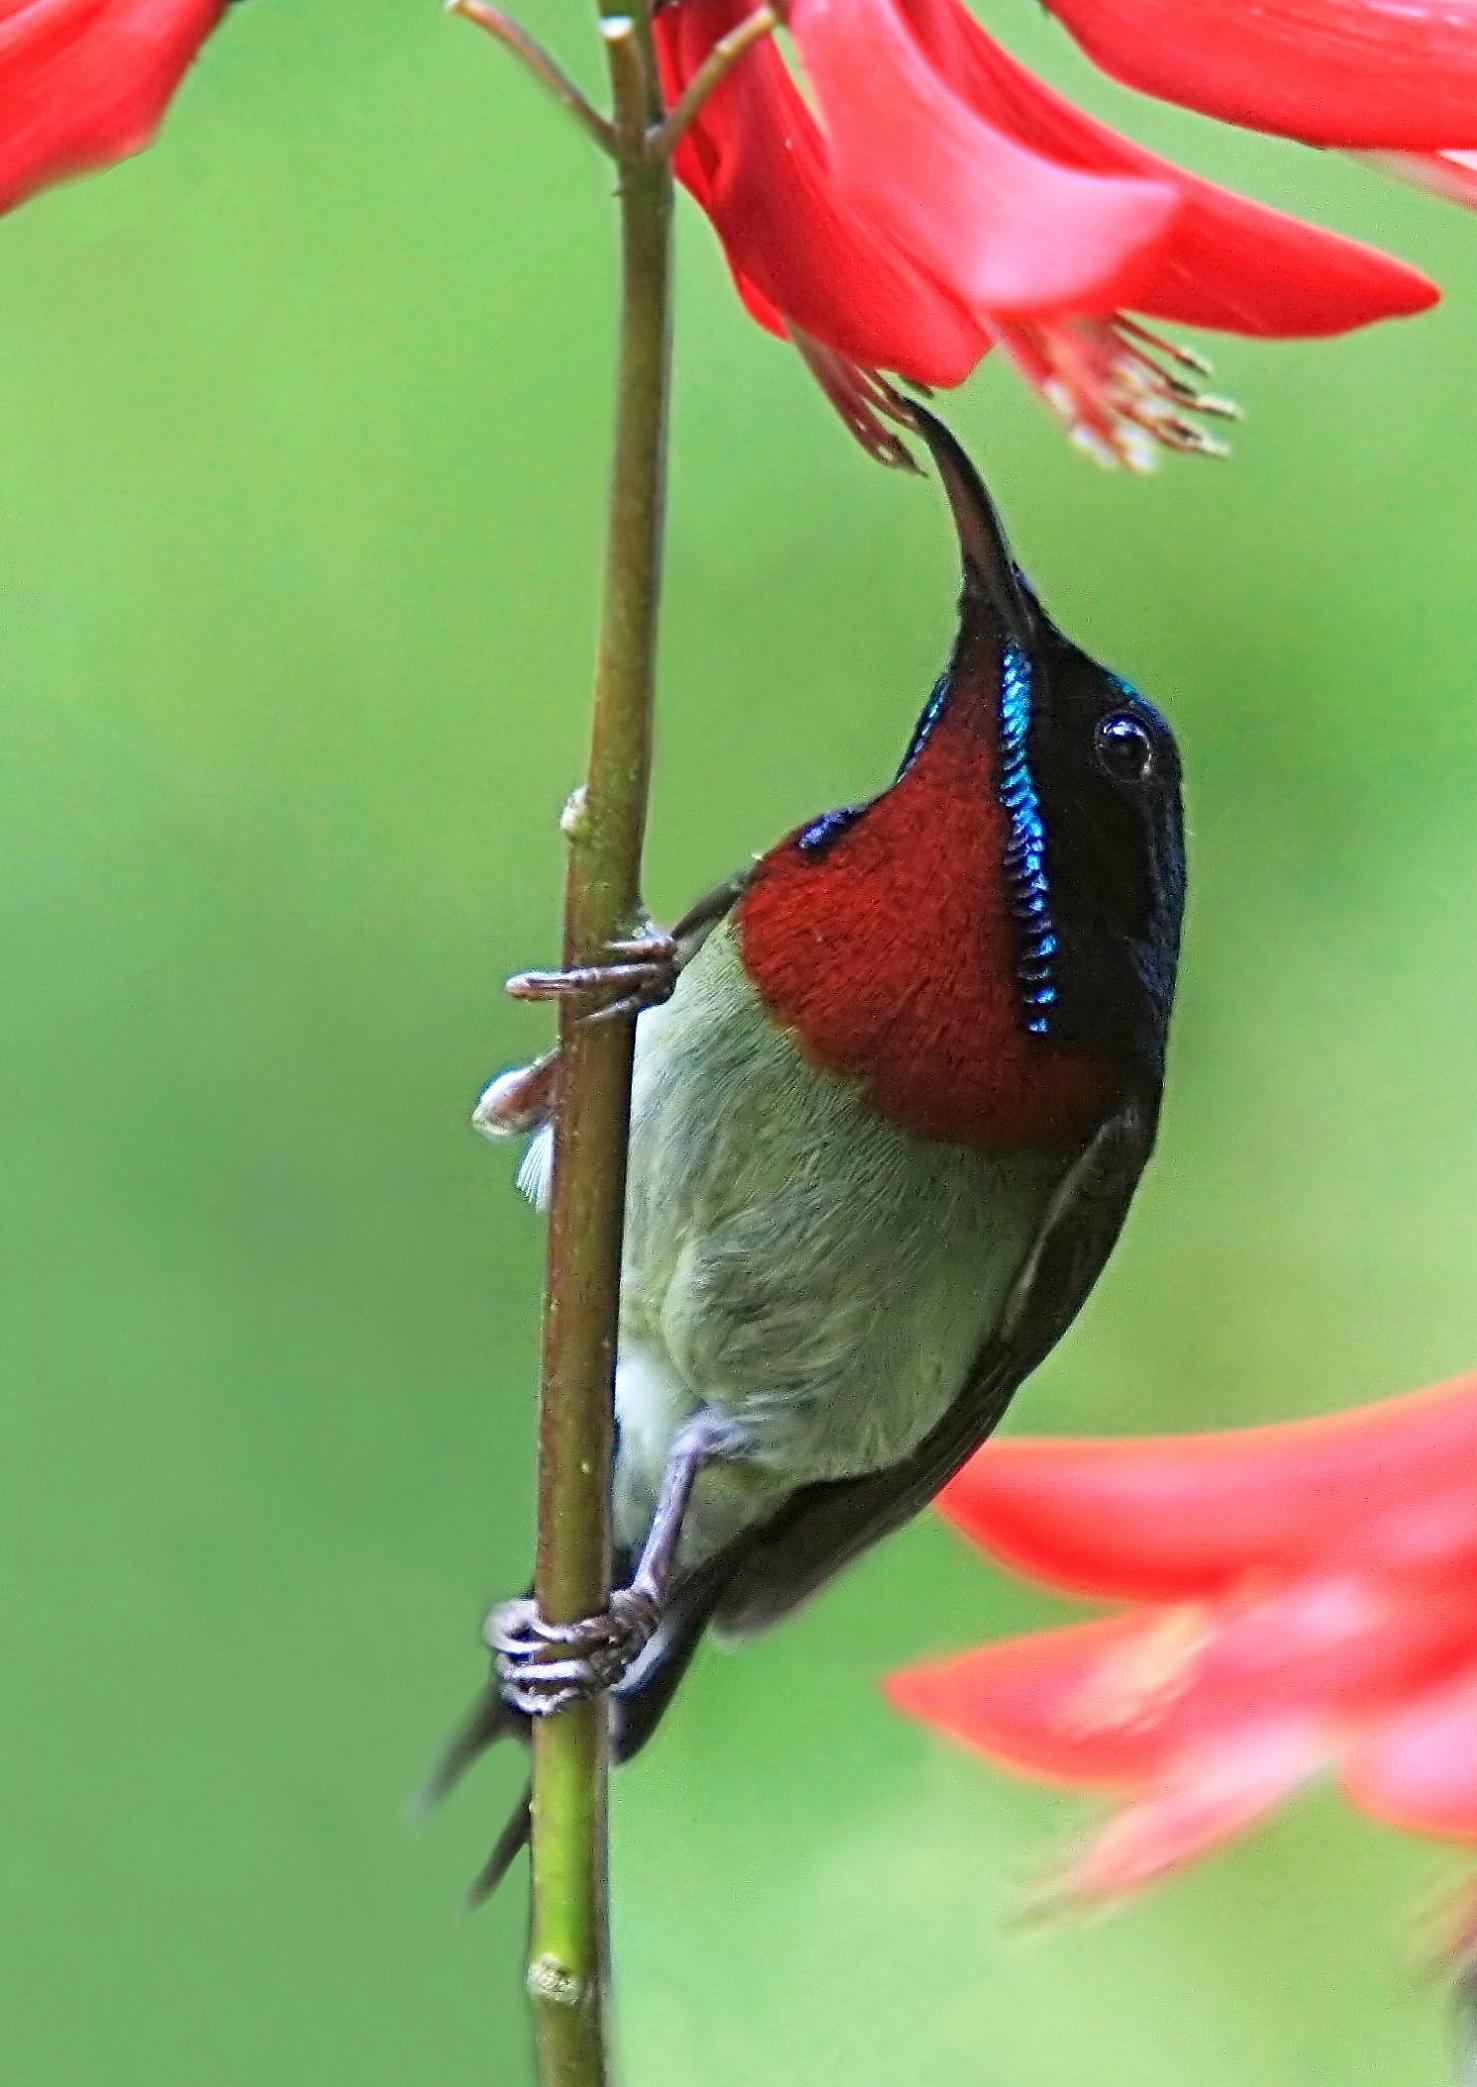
(86, 82)
(1303, 1601)
(940, 201)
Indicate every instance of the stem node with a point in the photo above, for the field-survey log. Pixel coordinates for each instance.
(554, 1984)
(574, 820)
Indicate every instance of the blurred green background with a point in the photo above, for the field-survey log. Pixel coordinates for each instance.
(303, 425)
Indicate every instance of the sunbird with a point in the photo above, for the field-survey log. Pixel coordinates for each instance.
(889, 1111)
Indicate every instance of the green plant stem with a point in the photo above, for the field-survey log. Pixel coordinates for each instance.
(569, 1947)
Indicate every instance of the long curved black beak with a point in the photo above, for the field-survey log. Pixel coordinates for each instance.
(988, 565)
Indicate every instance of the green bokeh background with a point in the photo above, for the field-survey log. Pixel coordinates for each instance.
(303, 434)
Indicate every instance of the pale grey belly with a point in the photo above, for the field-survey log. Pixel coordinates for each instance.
(792, 1261)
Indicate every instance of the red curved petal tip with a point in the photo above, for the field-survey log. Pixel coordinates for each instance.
(86, 82)
(1394, 74)
(1178, 1517)
(1071, 1705)
(1417, 1768)
(1231, 264)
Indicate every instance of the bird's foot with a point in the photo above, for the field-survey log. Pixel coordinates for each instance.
(542, 1667)
(633, 975)
(637, 974)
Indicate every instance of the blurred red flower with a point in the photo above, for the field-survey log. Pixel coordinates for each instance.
(1398, 74)
(939, 201)
(1303, 1600)
(86, 82)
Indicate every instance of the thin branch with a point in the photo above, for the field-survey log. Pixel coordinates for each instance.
(545, 69)
(626, 55)
(664, 138)
(568, 1938)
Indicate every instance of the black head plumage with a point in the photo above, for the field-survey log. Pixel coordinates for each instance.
(1090, 776)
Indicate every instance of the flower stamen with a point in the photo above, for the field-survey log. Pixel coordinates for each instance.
(864, 400)
(1122, 393)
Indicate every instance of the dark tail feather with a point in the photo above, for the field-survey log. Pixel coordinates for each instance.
(634, 1718)
(488, 1721)
(509, 1844)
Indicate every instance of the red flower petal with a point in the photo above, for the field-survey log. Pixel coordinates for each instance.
(946, 202)
(1011, 232)
(696, 162)
(1231, 264)
(86, 82)
(1397, 73)
(756, 162)
(1205, 1804)
(1124, 1700)
(1173, 1517)
(1030, 1704)
(1418, 1768)
(1050, 1706)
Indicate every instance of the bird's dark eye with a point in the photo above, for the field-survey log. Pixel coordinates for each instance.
(1124, 747)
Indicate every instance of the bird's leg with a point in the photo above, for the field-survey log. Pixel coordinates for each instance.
(635, 974)
(541, 1667)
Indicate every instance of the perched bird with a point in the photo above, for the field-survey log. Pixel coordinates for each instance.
(885, 1131)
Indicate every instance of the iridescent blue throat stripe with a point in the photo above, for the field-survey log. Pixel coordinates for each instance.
(1025, 851)
(933, 710)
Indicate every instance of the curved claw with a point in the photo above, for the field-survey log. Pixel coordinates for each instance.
(516, 1630)
(529, 1701)
(597, 1651)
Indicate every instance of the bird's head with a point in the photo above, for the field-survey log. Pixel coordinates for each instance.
(1087, 775)
(998, 931)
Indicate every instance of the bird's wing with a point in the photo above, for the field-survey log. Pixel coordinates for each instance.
(825, 1526)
